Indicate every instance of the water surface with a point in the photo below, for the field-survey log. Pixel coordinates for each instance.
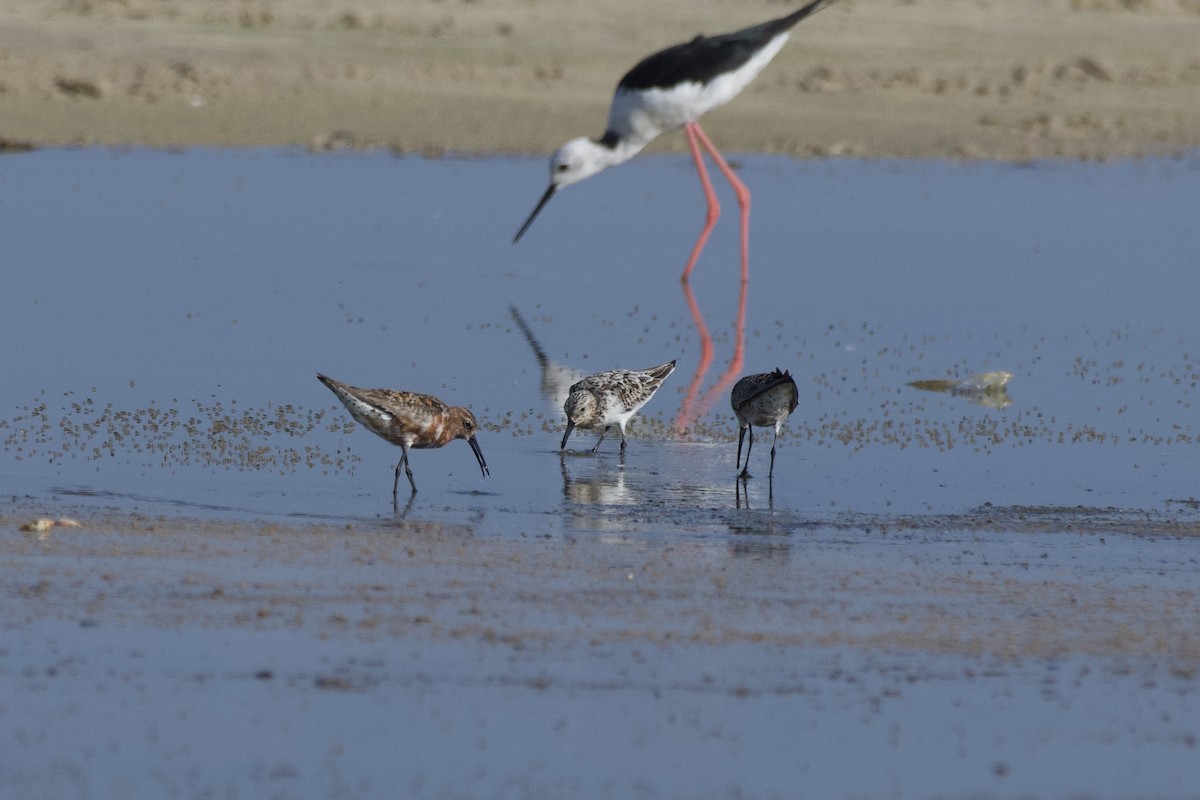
(989, 599)
(164, 315)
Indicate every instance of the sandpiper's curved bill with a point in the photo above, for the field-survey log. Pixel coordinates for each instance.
(478, 456)
(545, 199)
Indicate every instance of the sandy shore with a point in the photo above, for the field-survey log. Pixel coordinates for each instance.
(892, 78)
(640, 587)
(149, 657)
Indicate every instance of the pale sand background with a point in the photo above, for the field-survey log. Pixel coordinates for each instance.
(1008, 79)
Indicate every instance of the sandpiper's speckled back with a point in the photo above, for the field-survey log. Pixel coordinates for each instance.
(612, 397)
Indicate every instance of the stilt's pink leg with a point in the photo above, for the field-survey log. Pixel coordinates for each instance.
(692, 409)
(714, 207)
(694, 132)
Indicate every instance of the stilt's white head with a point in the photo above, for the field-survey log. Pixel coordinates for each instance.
(577, 159)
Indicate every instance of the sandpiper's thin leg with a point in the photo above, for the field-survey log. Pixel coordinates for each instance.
(407, 471)
(749, 447)
(741, 437)
(771, 474)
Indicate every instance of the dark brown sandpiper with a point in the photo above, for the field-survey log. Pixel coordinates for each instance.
(766, 400)
(611, 398)
(407, 419)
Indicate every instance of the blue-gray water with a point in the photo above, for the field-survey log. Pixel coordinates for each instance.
(213, 285)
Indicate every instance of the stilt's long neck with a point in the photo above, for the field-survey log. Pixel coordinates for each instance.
(617, 150)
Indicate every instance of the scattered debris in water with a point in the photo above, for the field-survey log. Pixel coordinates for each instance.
(211, 433)
(985, 388)
(42, 525)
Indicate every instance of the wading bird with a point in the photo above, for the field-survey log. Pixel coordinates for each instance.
(672, 89)
(407, 419)
(765, 400)
(611, 398)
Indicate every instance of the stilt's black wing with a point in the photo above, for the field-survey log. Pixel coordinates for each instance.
(706, 57)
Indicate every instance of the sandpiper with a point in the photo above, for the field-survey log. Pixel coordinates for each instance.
(611, 398)
(765, 399)
(409, 420)
(671, 89)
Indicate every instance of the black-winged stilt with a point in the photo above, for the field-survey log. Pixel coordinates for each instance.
(671, 89)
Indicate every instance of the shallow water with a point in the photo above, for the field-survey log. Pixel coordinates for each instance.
(979, 599)
(164, 316)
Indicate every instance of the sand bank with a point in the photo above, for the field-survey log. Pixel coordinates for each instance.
(917, 79)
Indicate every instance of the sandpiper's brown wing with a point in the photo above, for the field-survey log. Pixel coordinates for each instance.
(387, 410)
(409, 411)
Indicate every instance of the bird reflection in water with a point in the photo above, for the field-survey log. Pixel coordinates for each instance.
(742, 493)
(759, 534)
(694, 404)
(604, 484)
(556, 378)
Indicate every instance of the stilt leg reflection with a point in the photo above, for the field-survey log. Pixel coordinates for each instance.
(694, 406)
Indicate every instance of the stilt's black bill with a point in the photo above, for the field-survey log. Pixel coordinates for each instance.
(478, 455)
(545, 199)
